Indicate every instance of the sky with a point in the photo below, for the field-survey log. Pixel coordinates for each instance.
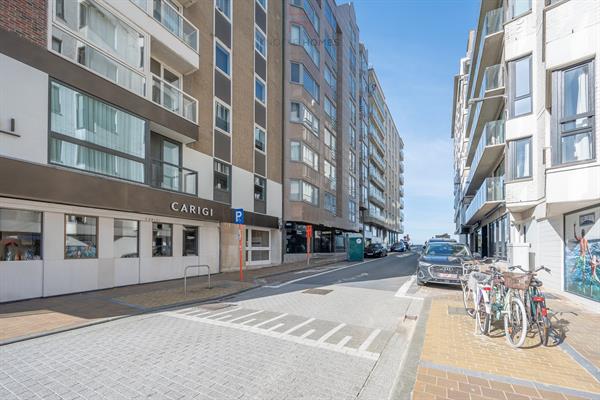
(415, 47)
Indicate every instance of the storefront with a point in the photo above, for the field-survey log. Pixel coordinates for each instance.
(582, 252)
(324, 239)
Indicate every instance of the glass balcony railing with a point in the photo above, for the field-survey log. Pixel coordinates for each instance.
(493, 134)
(492, 189)
(493, 78)
(173, 177)
(377, 177)
(171, 19)
(173, 99)
(494, 22)
(377, 195)
(377, 157)
(375, 212)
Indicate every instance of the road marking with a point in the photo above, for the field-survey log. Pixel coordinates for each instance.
(223, 317)
(319, 274)
(330, 333)
(196, 313)
(308, 321)
(271, 320)
(343, 342)
(221, 313)
(247, 322)
(405, 286)
(244, 316)
(307, 333)
(275, 327)
(367, 343)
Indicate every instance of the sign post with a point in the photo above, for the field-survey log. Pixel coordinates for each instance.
(239, 220)
(309, 233)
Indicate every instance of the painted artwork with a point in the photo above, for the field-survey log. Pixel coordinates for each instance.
(582, 253)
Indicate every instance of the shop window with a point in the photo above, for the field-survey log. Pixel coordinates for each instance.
(81, 236)
(190, 240)
(258, 247)
(20, 235)
(295, 238)
(126, 237)
(582, 253)
(162, 240)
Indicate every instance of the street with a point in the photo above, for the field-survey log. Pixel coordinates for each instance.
(337, 333)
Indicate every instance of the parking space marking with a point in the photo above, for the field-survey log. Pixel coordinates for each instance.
(307, 333)
(244, 316)
(275, 327)
(222, 313)
(271, 320)
(343, 342)
(308, 321)
(330, 333)
(369, 340)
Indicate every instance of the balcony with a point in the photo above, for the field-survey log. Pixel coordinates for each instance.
(377, 178)
(493, 79)
(376, 197)
(174, 100)
(376, 213)
(401, 203)
(375, 156)
(173, 177)
(489, 195)
(401, 155)
(376, 139)
(489, 150)
(379, 120)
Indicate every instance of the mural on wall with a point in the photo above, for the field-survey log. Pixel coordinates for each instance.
(582, 253)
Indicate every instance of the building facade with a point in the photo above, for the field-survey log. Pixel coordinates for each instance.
(127, 136)
(527, 179)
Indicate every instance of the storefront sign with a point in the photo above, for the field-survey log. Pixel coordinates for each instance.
(192, 209)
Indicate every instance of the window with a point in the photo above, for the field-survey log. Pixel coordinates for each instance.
(60, 8)
(299, 113)
(330, 109)
(519, 7)
(56, 44)
(352, 136)
(520, 154)
(310, 158)
(329, 202)
(225, 7)
(295, 150)
(81, 237)
(352, 161)
(260, 139)
(260, 91)
(222, 176)
(351, 211)
(260, 188)
(330, 47)
(117, 139)
(190, 241)
(310, 12)
(329, 170)
(295, 112)
(573, 114)
(302, 191)
(352, 112)
(301, 75)
(351, 186)
(330, 139)
(352, 61)
(300, 37)
(20, 235)
(329, 16)
(162, 240)
(125, 240)
(222, 59)
(263, 3)
(352, 86)
(330, 78)
(222, 117)
(260, 42)
(520, 86)
(258, 248)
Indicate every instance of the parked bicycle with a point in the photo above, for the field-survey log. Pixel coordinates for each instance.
(467, 268)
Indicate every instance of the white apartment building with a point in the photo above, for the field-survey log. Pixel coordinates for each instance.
(526, 139)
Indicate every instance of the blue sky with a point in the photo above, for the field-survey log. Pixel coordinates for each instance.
(415, 47)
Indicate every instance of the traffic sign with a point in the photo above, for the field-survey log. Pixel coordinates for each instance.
(239, 215)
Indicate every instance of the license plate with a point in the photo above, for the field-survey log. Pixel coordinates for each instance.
(369, 254)
(448, 276)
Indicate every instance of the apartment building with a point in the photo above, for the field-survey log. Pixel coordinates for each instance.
(527, 179)
(384, 169)
(129, 131)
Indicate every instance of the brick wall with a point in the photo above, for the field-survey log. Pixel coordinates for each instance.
(28, 18)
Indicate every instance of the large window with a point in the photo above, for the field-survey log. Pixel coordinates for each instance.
(260, 90)
(329, 202)
(330, 139)
(329, 170)
(20, 235)
(351, 186)
(126, 238)
(301, 152)
(222, 176)
(94, 136)
(222, 117)
(520, 87)
(190, 240)
(258, 248)
(520, 158)
(330, 47)
(81, 236)
(299, 74)
(162, 240)
(329, 15)
(519, 7)
(260, 188)
(225, 7)
(300, 37)
(352, 211)
(310, 12)
(301, 114)
(573, 112)
(260, 42)
(260, 139)
(222, 59)
(303, 191)
(330, 109)
(330, 78)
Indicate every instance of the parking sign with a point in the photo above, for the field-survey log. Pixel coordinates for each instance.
(239, 215)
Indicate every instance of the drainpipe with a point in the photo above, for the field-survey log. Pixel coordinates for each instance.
(283, 126)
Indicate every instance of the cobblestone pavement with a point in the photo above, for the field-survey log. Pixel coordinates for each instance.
(310, 339)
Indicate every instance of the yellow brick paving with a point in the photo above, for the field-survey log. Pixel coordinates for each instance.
(450, 341)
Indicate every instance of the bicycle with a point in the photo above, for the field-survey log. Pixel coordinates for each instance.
(512, 307)
(467, 268)
(535, 304)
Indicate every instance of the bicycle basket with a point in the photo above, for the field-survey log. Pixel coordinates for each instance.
(513, 280)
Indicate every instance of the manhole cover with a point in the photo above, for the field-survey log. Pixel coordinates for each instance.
(322, 292)
(456, 311)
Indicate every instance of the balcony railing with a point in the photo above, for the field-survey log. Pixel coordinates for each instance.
(376, 176)
(173, 99)
(375, 155)
(493, 78)
(493, 134)
(376, 214)
(173, 177)
(492, 189)
(172, 20)
(376, 195)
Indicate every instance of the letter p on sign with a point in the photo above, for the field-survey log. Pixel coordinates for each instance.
(239, 215)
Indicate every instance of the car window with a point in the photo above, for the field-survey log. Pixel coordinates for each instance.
(447, 249)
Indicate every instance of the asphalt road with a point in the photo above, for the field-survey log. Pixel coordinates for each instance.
(333, 333)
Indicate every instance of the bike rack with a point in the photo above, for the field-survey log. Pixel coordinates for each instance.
(185, 275)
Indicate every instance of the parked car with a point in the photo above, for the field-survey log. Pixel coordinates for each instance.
(375, 250)
(399, 247)
(441, 262)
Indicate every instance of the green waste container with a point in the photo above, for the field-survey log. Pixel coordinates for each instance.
(356, 248)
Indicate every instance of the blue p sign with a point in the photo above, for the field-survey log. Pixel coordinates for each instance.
(239, 215)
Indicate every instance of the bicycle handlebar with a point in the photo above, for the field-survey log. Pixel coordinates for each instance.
(541, 268)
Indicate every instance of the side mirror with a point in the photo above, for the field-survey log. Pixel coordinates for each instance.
(477, 256)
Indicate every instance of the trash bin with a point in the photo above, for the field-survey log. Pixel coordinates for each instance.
(356, 248)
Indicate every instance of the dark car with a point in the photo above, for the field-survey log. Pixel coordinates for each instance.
(441, 262)
(399, 247)
(375, 250)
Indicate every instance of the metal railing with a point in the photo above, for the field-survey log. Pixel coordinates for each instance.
(185, 275)
(493, 134)
(377, 177)
(492, 189)
(174, 99)
(173, 177)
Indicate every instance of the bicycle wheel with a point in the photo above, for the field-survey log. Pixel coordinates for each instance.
(467, 298)
(482, 317)
(515, 322)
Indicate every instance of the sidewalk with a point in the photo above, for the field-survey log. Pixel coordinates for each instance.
(30, 318)
(457, 364)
